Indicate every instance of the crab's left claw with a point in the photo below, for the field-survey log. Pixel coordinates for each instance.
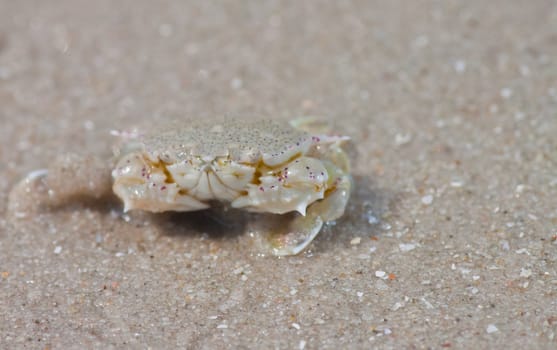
(299, 233)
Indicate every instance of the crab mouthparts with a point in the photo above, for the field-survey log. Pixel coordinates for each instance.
(207, 168)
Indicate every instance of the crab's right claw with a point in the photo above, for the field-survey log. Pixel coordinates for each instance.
(303, 229)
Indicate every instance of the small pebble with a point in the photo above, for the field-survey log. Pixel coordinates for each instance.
(406, 247)
(457, 183)
(421, 41)
(236, 83)
(402, 139)
(491, 329)
(165, 30)
(397, 306)
(57, 250)
(506, 93)
(459, 66)
(427, 199)
(356, 240)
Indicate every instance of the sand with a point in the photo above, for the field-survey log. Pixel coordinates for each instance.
(450, 240)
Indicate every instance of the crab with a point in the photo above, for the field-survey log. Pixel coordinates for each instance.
(262, 166)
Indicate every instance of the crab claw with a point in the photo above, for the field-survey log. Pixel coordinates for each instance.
(291, 188)
(301, 230)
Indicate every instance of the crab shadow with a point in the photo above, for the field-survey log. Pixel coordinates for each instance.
(20, 206)
(364, 215)
(219, 222)
(367, 210)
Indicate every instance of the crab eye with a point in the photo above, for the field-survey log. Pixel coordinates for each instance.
(165, 158)
(222, 161)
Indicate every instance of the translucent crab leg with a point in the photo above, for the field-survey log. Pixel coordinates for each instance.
(311, 125)
(296, 237)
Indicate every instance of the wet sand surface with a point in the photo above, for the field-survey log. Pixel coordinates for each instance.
(450, 238)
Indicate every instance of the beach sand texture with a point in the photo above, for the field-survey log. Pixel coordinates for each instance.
(450, 239)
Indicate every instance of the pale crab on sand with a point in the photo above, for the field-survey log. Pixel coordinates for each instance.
(261, 166)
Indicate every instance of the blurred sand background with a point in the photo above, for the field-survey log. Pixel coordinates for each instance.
(450, 238)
